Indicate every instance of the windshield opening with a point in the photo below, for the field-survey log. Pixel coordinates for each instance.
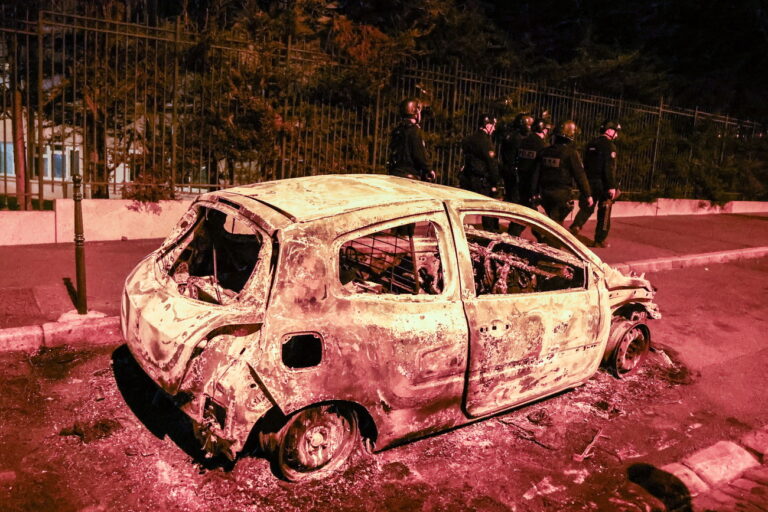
(217, 258)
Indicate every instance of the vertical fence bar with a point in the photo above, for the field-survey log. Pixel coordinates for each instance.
(656, 144)
(39, 143)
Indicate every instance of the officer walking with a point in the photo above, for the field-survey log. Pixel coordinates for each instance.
(559, 165)
(481, 170)
(600, 165)
(527, 154)
(510, 146)
(407, 154)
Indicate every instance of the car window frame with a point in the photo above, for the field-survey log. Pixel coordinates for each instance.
(265, 255)
(531, 222)
(444, 244)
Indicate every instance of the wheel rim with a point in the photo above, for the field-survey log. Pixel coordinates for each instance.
(317, 439)
(631, 352)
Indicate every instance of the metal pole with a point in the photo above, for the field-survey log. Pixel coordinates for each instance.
(82, 301)
(656, 144)
(175, 100)
(39, 162)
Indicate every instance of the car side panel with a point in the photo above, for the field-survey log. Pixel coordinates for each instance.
(526, 346)
(402, 357)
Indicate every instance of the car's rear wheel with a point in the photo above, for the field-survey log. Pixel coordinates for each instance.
(631, 350)
(315, 442)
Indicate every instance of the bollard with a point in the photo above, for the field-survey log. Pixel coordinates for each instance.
(77, 195)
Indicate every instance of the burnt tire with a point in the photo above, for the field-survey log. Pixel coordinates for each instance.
(631, 349)
(315, 442)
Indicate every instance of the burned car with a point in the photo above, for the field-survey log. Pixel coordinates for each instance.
(317, 313)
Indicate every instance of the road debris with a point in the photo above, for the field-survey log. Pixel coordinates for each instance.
(100, 429)
(543, 488)
(587, 453)
(524, 433)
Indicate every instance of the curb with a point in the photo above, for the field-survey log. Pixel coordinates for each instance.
(691, 260)
(719, 471)
(85, 332)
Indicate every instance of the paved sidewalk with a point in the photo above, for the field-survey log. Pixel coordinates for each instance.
(37, 285)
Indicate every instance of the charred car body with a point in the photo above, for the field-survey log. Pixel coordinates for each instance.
(373, 304)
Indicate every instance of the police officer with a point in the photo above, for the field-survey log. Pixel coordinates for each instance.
(527, 154)
(510, 145)
(407, 154)
(558, 166)
(481, 170)
(600, 165)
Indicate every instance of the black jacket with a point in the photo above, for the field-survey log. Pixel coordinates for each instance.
(528, 153)
(600, 161)
(558, 166)
(407, 151)
(480, 158)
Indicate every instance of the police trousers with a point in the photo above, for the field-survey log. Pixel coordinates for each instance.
(603, 203)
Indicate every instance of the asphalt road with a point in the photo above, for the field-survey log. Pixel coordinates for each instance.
(85, 431)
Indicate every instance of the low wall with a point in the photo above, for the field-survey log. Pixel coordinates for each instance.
(113, 219)
(103, 219)
(24, 228)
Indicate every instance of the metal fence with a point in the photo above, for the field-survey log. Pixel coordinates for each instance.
(151, 112)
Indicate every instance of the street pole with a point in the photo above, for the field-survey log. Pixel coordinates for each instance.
(77, 195)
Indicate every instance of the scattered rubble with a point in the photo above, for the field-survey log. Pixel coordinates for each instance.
(88, 433)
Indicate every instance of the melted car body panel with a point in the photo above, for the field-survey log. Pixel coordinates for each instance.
(372, 290)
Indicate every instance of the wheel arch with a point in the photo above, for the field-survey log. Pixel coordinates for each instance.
(264, 429)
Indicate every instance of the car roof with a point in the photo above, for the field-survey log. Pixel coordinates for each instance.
(316, 197)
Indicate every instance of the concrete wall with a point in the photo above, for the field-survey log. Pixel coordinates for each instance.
(103, 219)
(24, 228)
(113, 219)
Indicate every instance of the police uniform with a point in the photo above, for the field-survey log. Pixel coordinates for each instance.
(558, 166)
(510, 145)
(481, 171)
(527, 155)
(600, 166)
(408, 156)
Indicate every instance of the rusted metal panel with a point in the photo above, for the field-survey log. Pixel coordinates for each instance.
(397, 355)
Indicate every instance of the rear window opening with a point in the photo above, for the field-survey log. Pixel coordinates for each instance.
(216, 258)
(404, 260)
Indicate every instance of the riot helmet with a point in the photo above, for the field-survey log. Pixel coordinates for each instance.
(539, 125)
(410, 108)
(610, 124)
(484, 120)
(523, 123)
(567, 130)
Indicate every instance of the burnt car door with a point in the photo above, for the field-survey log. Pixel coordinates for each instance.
(379, 289)
(533, 305)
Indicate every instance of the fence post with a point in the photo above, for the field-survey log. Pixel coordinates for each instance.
(722, 144)
(285, 109)
(573, 101)
(175, 107)
(82, 300)
(377, 119)
(39, 160)
(656, 144)
(448, 179)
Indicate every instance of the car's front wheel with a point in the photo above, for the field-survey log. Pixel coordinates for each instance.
(315, 442)
(631, 342)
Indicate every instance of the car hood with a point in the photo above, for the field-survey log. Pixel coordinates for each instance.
(625, 288)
